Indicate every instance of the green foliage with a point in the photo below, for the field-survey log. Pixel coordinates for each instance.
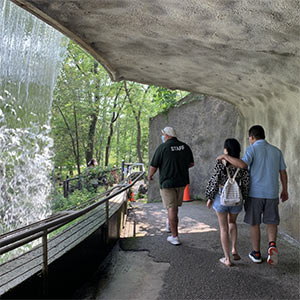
(78, 197)
(141, 196)
(92, 182)
(58, 202)
(92, 177)
(83, 93)
(165, 98)
(198, 197)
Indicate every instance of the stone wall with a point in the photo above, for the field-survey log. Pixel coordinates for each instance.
(279, 115)
(203, 122)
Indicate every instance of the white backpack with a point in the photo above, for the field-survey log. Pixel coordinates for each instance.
(231, 194)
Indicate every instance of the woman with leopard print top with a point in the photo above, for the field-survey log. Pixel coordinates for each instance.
(227, 215)
(220, 177)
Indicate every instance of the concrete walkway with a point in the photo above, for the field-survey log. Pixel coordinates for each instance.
(148, 267)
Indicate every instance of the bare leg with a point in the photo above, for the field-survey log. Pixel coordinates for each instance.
(255, 237)
(272, 232)
(272, 252)
(233, 231)
(223, 223)
(173, 220)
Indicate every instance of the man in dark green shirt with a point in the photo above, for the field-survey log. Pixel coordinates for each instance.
(173, 158)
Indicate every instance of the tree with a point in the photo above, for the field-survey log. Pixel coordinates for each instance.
(82, 88)
(95, 117)
(74, 140)
(137, 110)
(116, 109)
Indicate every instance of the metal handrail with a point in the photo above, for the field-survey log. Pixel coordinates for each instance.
(67, 181)
(49, 225)
(83, 175)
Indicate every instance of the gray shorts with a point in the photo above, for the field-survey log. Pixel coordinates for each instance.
(256, 207)
(172, 197)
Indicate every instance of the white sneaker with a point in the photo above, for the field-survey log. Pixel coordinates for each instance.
(272, 256)
(173, 240)
(168, 226)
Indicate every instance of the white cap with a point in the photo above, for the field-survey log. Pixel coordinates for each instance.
(169, 131)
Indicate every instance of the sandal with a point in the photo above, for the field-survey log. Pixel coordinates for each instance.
(223, 261)
(236, 256)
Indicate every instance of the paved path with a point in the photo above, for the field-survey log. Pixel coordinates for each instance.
(148, 267)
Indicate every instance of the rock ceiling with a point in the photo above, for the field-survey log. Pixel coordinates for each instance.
(237, 50)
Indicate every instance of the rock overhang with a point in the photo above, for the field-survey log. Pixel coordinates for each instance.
(241, 51)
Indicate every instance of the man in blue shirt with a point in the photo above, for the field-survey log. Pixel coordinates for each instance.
(266, 164)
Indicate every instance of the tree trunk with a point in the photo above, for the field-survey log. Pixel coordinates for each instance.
(93, 122)
(114, 118)
(107, 149)
(118, 142)
(99, 153)
(138, 139)
(77, 139)
(91, 138)
(75, 149)
(137, 116)
(124, 139)
(131, 142)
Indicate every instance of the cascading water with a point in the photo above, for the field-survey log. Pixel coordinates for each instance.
(31, 53)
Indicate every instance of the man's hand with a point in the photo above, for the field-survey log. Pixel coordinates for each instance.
(236, 162)
(284, 196)
(151, 172)
(220, 157)
(284, 181)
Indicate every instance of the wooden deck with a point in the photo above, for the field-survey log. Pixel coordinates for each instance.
(17, 270)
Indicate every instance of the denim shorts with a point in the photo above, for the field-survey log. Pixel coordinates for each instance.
(226, 209)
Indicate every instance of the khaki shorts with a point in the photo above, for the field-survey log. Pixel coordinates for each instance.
(172, 197)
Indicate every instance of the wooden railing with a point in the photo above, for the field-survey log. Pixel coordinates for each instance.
(88, 218)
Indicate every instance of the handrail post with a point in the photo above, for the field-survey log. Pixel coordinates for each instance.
(68, 186)
(107, 220)
(45, 263)
(79, 183)
(122, 169)
(65, 188)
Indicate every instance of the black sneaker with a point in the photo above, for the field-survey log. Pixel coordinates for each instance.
(255, 257)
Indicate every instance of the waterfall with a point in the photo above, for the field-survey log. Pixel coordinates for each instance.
(31, 53)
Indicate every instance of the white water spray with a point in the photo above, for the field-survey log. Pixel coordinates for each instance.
(31, 53)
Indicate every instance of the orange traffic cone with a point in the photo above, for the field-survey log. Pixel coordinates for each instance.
(186, 194)
(132, 197)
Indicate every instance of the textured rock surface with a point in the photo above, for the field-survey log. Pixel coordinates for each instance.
(279, 116)
(203, 123)
(237, 49)
(243, 51)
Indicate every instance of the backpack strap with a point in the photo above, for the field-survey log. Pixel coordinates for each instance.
(228, 174)
(237, 170)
